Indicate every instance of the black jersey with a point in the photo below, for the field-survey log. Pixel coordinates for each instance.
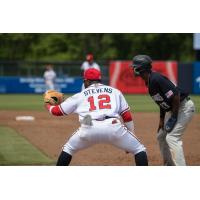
(161, 89)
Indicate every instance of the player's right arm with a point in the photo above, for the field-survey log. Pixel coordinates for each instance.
(128, 120)
(54, 110)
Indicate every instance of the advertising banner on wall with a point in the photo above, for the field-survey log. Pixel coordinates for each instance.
(196, 78)
(121, 75)
(37, 85)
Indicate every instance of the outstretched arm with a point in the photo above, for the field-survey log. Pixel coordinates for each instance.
(54, 110)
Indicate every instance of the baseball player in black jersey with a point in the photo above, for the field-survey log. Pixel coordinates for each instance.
(176, 110)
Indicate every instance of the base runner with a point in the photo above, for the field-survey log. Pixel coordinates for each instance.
(176, 110)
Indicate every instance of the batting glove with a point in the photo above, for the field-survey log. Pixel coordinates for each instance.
(170, 124)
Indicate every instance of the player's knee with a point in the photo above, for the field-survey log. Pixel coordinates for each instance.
(170, 139)
(68, 149)
(140, 148)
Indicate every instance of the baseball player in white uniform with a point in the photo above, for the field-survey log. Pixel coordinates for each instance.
(89, 63)
(49, 77)
(100, 108)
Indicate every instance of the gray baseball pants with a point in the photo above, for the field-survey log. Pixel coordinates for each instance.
(171, 145)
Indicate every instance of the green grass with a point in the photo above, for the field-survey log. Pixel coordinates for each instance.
(138, 103)
(21, 102)
(141, 103)
(196, 99)
(16, 150)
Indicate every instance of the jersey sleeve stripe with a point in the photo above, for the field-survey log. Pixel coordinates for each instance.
(125, 110)
(50, 109)
(62, 110)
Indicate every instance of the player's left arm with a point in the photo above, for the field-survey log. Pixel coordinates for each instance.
(54, 110)
(125, 113)
(66, 107)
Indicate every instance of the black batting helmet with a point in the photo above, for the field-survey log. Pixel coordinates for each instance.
(141, 63)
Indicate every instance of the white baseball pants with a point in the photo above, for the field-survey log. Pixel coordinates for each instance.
(110, 131)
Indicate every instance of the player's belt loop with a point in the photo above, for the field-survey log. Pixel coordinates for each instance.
(107, 117)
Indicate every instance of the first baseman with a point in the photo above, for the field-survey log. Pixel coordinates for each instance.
(100, 108)
(176, 110)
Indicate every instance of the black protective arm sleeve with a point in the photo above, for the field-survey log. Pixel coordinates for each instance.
(162, 113)
(175, 105)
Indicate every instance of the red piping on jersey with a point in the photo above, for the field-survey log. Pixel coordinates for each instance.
(54, 110)
(126, 116)
(127, 109)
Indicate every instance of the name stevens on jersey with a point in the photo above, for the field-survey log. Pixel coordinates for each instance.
(97, 91)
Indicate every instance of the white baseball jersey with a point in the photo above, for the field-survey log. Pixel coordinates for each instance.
(104, 105)
(98, 100)
(86, 65)
(49, 75)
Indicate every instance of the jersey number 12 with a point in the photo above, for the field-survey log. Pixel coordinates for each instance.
(103, 102)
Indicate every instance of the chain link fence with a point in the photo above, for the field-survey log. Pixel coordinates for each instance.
(37, 68)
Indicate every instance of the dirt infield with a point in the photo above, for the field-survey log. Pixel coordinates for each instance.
(49, 133)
